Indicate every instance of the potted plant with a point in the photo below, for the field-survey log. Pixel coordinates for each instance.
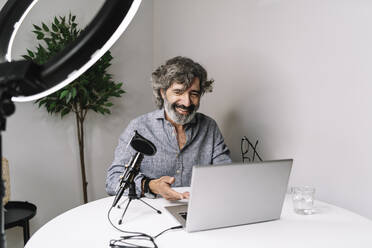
(93, 90)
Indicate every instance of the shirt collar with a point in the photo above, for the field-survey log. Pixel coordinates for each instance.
(159, 114)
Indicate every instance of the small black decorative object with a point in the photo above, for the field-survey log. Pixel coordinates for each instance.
(245, 147)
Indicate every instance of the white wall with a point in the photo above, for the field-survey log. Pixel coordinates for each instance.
(295, 74)
(42, 149)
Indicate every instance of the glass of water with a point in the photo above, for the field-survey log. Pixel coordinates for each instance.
(303, 199)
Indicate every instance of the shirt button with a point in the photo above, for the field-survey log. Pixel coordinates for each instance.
(178, 171)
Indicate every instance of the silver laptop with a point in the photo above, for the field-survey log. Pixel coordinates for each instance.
(234, 194)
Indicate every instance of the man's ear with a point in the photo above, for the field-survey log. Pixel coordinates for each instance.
(162, 92)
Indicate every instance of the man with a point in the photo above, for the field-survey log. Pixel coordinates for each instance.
(183, 137)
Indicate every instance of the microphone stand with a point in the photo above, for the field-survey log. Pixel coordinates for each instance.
(130, 174)
(133, 196)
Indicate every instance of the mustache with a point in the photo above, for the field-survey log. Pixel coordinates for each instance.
(183, 107)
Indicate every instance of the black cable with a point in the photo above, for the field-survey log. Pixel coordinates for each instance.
(120, 230)
(172, 228)
(123, 243)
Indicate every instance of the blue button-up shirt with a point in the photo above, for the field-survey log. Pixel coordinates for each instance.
(204, 145)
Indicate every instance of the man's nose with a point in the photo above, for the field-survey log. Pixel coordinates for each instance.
(186, 99)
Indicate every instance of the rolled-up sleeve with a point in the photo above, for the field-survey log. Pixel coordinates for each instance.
(221, 153)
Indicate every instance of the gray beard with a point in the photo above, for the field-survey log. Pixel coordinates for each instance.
(178, 118)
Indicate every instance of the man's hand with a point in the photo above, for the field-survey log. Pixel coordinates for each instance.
(162, 186)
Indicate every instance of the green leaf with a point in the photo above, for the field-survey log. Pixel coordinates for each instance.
(26, 57)
(45, 27)
(64, 112)
(37, 27)
(40, 36)
(69, 97)
(30, 53)
(43, 101)
(63, 94)
(54, 27)
(52, 106)
(74, 92)
(85, 92)
(56, 21)
(47, 40)
(109, 104)
(101, 110)
(37, 32)
(118, 86)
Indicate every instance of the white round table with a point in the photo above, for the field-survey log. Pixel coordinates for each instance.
(87, 226)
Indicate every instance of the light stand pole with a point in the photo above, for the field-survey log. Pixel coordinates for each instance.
(2, 188)
(2, 194)
(14, 79)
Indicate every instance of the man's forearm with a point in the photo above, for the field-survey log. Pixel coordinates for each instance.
(112, 179)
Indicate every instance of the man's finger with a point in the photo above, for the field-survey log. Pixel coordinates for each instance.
(186, 195)
(173, 195)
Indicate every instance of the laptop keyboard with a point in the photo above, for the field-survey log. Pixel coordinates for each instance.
(183, 215)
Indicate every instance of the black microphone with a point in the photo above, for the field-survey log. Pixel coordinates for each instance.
(128, 176)
(120, 192)
(142, 146)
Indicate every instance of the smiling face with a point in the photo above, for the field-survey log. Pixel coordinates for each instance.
(181, 104)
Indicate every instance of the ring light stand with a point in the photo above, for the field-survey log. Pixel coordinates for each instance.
(23, 81)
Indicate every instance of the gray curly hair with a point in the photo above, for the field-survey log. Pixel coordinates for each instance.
(182, 70)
